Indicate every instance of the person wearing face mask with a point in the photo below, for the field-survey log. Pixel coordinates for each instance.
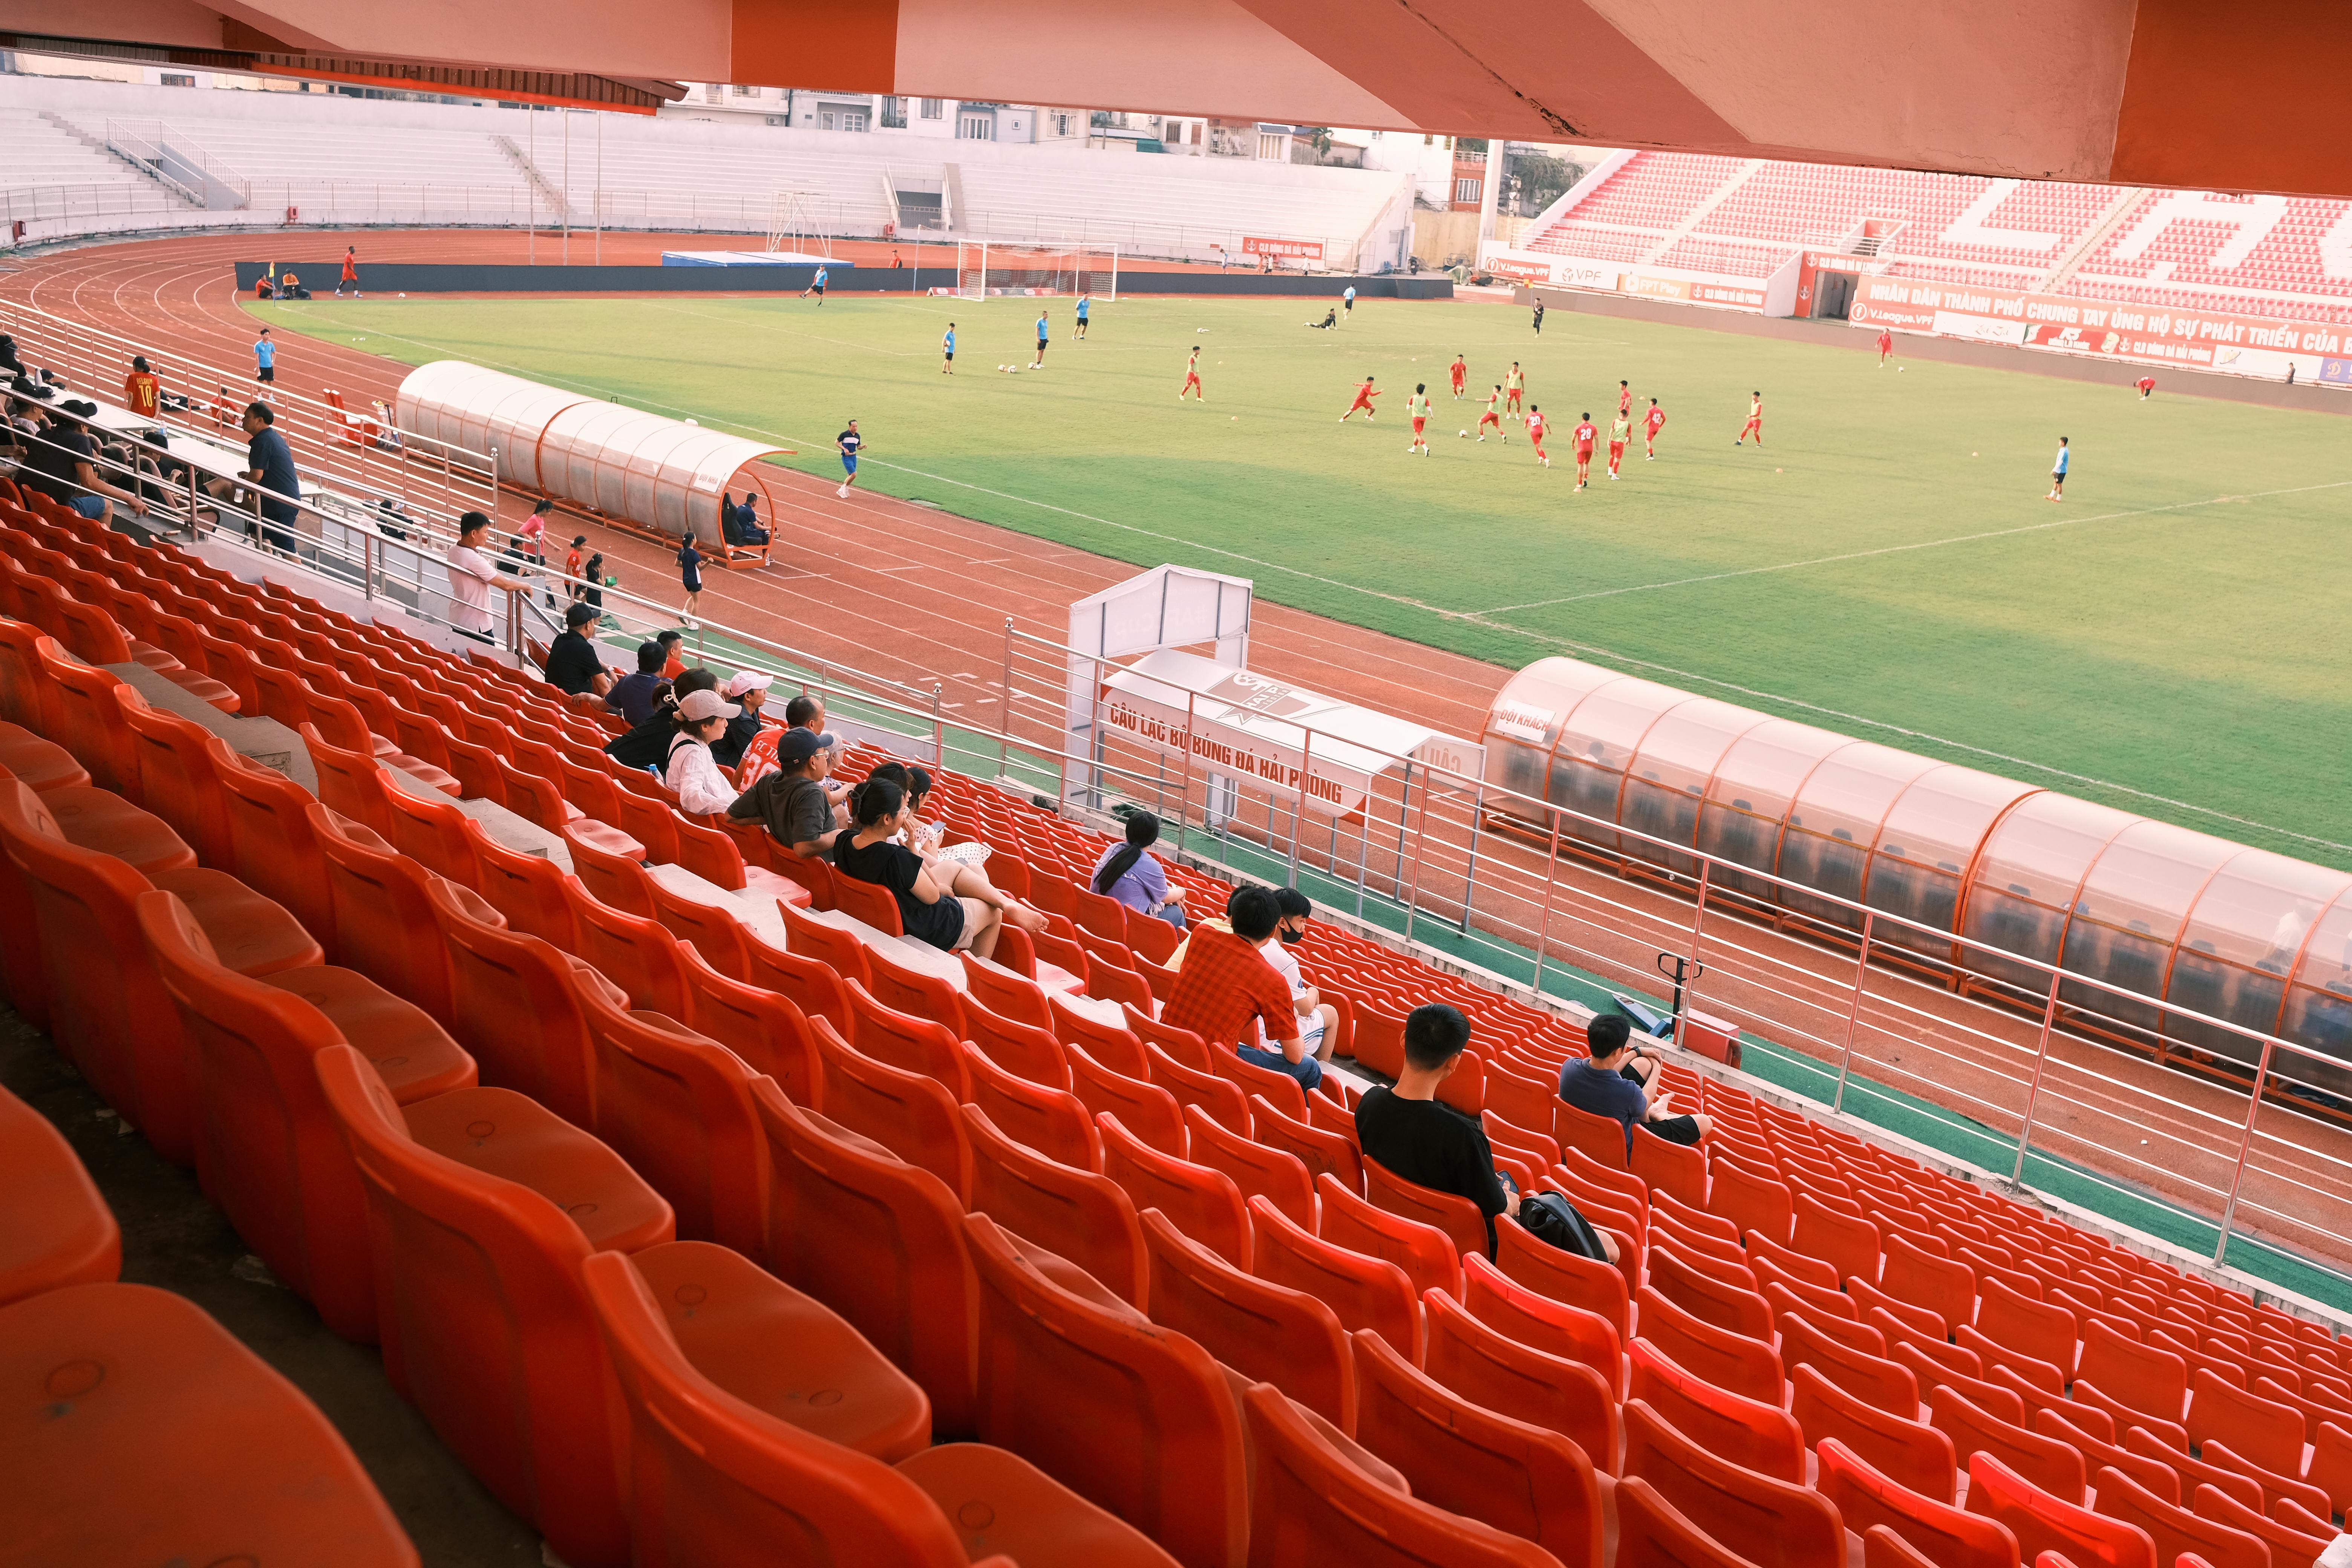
(1318, 1021)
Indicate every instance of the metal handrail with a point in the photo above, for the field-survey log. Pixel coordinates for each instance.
(146, 141)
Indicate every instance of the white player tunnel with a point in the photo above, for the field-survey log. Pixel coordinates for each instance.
(628, 464)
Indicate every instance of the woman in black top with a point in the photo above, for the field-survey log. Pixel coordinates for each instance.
(927, 910)
(690, 571)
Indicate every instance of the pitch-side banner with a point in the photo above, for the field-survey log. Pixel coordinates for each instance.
(2143, 334)
(1298, 249)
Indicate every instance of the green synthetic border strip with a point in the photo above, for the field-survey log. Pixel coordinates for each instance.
(971, 752)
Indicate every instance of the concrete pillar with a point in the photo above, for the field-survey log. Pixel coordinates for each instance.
(1490, 192)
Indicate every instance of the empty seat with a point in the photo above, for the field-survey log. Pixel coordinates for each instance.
(2269, 1434)
(1668, 1167)
(1201, 1202)
(1497, 1373)
(1846, 1242)
(1750, 1433)
(485, 1322)
(1311, 1506)
(636, 952)
(1266, 1332)
(2289, 1547)
(1364, 1293)
(55, 1228)
(139, 1430)
(1145, 1110)
(2015, 1321)
(1751, 1201)
(1875, 1380)
(1426, 1254)
(1770, 1522)
(1728, 1361)
(1139, 1420)
(2054, 1466)
(762, 1028)
(1319, 1149)
(1653, 1533)
(2140, 1377)
(1009, 1512)
(2174, 1531)
(906, 1041)
(1706, 1297)
(1086, 1218)
(1948, 1536)
(515, 1010)
(527, 889)
(1055, 1122)
(908, 1113)
(1601, 1139)
(1024, 1048)
(384, 921)
(1907, 1452)
(2041, 1522)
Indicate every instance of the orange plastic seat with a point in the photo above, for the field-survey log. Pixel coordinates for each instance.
(1933, 1284)
(758, 1024)
(1600, 1138)
(139, 1430)
(879, 1240)
(1145, 1109)
(1013, 997)
(807, 984)
(1582, 1282)
(1867, 1501)
(1502, 1373)
(678, 1107)
(1319, 1149)
(485, 1321)
(1751, 1201)
(2053, 1465)
(1275, 1174)
(904, 1041)
(1426, 1254)
(636, 952)
(1466, 1229)
(1518, 1477)
(512, 1001)
(1875, 1380)
(1140, 1421)
(1791, 1267)
(432, 832)
(1651, 1533)
(1364, 1293)
(2139, 1377)
(1674, 1169)
(914, 992)
(42, 764)
(177, 779)
(1553, 1327)
(2098, 1454)
(1077, 1214)
(869, 902)
(350, 784)
(1750, 1433)
(1201, 1202)
(1770, 1522)
(1730, 1362)
(2269, 1434)
(1266, 1332)
(383, 919)
(1910, 1453)
(1052, 1121)
(833, 946)
(1313, 1506)
(2041, 1522)
(2289, 1547)
(2277, 1490)
(1115, 1046)
(911, 1115)
(2193, 1473)
(2015, 1321)
(527, 889)
(1707, 1297)
(2173, 1530)
(1025, 1050)
(55, 1229)
(610, 865)
(1846, 1243)
(87, 719)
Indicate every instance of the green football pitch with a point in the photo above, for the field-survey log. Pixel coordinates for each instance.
(2171, 639)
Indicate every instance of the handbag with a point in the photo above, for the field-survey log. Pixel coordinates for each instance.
(1553, 1220)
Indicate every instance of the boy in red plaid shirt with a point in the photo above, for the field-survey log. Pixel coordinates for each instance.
(1227, 983)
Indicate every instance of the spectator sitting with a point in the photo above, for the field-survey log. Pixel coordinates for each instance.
(62, 463)
(633, 696)
(747, 521)
(646, 745)
(1411, 1135)
(792, 799)
(1129, 873)
(1318, 1021)
(1227, 982)
(927, 910)
(965, 881)
(573, 666)
(673, 659)
(1610, 1082)
(702, 789)
(807, 712)
(748, 688)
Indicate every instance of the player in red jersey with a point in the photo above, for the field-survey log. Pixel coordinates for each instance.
(1191, 380)
(1461, 375)
(1493, 416)
(1621, 430)
(1755, 425)
(1536, 434)
(1886, 347)
(1625, 400)
(2146, 384)
(1652, 423)
(141, 393)
(1586, 435)
(1364, 396)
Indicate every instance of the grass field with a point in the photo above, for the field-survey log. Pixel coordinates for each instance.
(2173, 639)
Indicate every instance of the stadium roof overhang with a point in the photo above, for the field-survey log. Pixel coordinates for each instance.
(2149, 92)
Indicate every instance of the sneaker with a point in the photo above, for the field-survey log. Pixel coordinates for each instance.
(843, 492)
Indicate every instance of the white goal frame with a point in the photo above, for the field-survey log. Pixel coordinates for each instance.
(993, 266)
(793, 225)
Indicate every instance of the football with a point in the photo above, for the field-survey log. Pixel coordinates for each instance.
(1464, 434)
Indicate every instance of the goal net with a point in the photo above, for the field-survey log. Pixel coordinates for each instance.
(985, 267)
(796, 227)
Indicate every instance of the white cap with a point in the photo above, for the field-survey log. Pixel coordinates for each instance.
(744, 681)
(701, 705)
(2338, 1554)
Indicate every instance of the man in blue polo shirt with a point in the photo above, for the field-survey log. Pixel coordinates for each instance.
(1039, 363)
(1086, 304)
(816, 287)
(1348, 303)
(1613, 1079)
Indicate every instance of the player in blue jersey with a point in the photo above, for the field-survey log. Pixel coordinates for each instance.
(947, 347)
(1039, 363)
(2058, 473)
(1086, 305)
(816, 286)
(850, 443)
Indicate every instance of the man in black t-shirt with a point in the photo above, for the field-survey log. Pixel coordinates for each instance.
(1409, 1134)
(573, 666)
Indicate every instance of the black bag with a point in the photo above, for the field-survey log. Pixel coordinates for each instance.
(1553, 1220)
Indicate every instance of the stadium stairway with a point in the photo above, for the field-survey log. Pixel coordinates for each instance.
(866, 1253)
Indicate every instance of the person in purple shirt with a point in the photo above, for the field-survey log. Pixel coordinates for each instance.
(1613, 1082)
(1127, 873)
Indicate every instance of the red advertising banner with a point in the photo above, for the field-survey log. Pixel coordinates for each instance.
(1308, 249)
(1646, 286)
(1519, 266)
(2142, 333)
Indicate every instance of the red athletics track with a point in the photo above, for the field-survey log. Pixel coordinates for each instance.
(943, 621)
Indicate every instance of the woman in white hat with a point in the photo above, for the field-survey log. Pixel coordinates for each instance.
(702, 789)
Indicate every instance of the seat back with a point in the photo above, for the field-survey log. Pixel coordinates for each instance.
(1464, 1225)
(1751, 1201)
(1363, 1292)
(1550, 1326)
(271, 847)
(1918, 1277)
(909, 990)
(1074, 1214)
(1312, 1504)
(1770, 1522)
(485, 1325)
(1199, 1201)
(2138, 1376)
(1516, 1477)
(1653, 1533)
(1007, 995)
(1185, 1045)
(1026, 1050)
(709, 853)
(1595, 1287)
(1115, 1047)
(527, 889)
(1848, 1243)
(1890, 1386)
(678, 1107)
(1949, 1536)
(1426, 1254)
(636, 952)
(608, 863)
(1221, 1098)
(709, 932)
(2174, 1531)
(868, 902)
(1139, 1420)
(1052, 1121)
(1495, 1372)
(350, 784)
(1320, 1149)
(2041, 1522)
(830, 944)
(1275, 1174)
(1265, 1331)
(1910, 1453)
(514, 1009)
(758, 1024)
(177, 779)
(383, 920)
(913, 1114)
(1748, 1433)
(2055, 1467)
(1600, 1138)
(879, 1240)
(1700, 1291)
(907, 1042)
(1730, 1362)
(1146, 1111)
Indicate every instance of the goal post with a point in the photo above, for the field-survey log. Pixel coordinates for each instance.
(795, 225)
(989, 266)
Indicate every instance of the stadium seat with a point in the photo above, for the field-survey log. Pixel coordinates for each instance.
(1751, 1202)
(1651, 1533)
(1264, 1331)
(879, 1240)
(139, 1430)
(1600, 1138)
(1364, 1293)
(1532, 1319)
(1182, 1044)
(178, 780)
(383, 919)
(2289, 1547)
(911, 1115)
(2055, 1467)
(1115, 1046)
(808, 983)
(834, 946)
(1220, 1098)
(1497, 1373)
(432, 832)
(1055, 1122)
(1933, 1284)
(1145, 1109)
(2041, 1522)
(1730, 1362)
(2276, 1488)
(1875, 1380)
(916, 992)
(1028, 1051)
(2174, 1531)
(1671, 1168)
(610, 865)
(870, 902)
(1137, 1420)
(1077, 1214)
(493, 1339)
(1275, 1174)
(1748, 1433)
(2266, 1433)
(1007, 995)
(1587, 1283)
(1321, 1150)
(513, 998)
(1910, 1453)
(1707, 1297)
(2193, 1473)
(1199, 1201)
(1426, 1254)
(904, 1041)
(1311, 1506)
(2153, 1382)
(1517, 1478)
(1848, 1244)
(758, 1024)
(2090, 1396)
(1770, 1522)
(636, 952)
(527, 889)
(1949, 1536)
(1010, 1514)
(2010, 1317)
(55, 1229)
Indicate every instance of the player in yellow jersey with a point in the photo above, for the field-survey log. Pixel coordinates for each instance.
(1514, 384)
(1619, 429)
(1492, 416)
(1755, 425)
(1418, 406)
(1193, 379)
